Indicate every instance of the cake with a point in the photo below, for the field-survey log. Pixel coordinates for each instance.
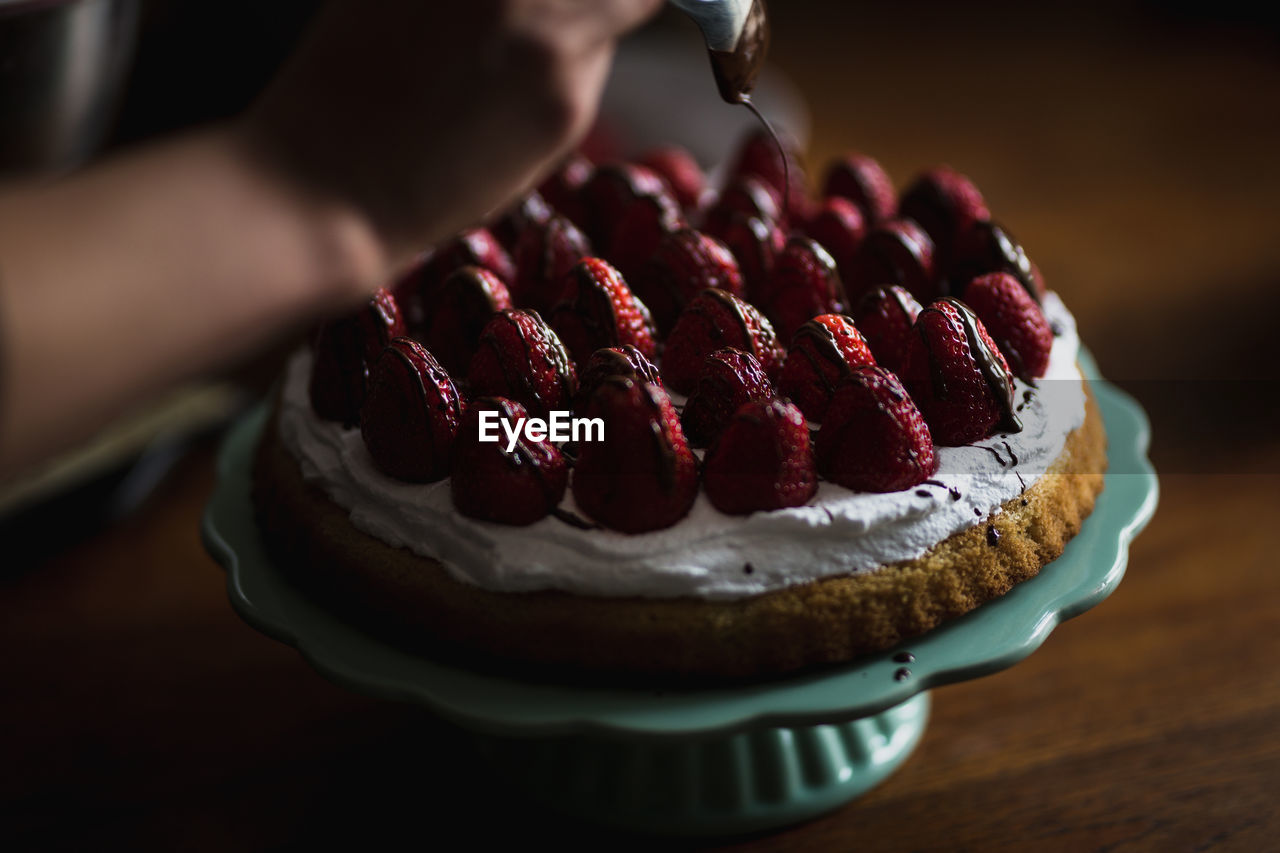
(827, 427)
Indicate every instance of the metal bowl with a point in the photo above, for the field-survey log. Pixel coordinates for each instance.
(62, 64)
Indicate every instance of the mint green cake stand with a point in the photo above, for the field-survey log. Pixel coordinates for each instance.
(698, 762)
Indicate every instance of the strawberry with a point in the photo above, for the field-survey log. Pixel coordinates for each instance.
(562, 189)
(715, 319)
(987, 248)
(946, 204)
(342, 351)
(491, 484)
(641, 228)
(885, 317)
(804, 284)
(729, 379)
(861, 179)
(684, 264)
(625, 361)
(530, 210)
(837, 225)
(544, 254)
(745, 196)
(895, 252)
(823, 352)
(762, 461)
(957, 376)
(759, 155)
(410, 417)
(642, 476)
(1014, 321)
(755, 243)
(461, 307)
(681, 172)
(597, 310)
(611, 190)
(416, 289)
(873, 438)
(520, 357)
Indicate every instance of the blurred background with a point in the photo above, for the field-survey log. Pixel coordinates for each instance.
(1132, 148)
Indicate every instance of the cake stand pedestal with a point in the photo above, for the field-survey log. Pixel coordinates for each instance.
(713, 761)
(725, 784)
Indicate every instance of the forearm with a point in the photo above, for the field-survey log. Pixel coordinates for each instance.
(171, 261)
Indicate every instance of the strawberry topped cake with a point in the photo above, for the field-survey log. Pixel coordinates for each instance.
(642, 428)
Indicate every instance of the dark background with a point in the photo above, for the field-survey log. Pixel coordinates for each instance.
(1131, 146)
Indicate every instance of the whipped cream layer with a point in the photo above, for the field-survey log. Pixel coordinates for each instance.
(708, 554)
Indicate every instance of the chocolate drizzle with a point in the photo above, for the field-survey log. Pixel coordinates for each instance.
(824, 344)
(573, 519)
(901, 674)
(993, 535)
(998, 379)
(904, 657)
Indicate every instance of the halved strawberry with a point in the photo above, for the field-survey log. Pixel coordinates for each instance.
(864, 182)
(895, 252)
(745, 196)
(458, 313)
(823, 352)
(562, 189)
(838, 226)
(415, 290)
(782, 171)
(1014, 321)
(522, 358)
(685, 263)
(642, 476)
(755, 244)
(681, 172)
(641, 228)
(988, 247)
(342, 351)
(729, 379)
(625, 361)
(715, 319)
(597, 310)
(611, 190)
(544, 255)
(804, 284)
(533, 209)
(885, 317)
(489, 483)
(957, 376)
(946, 204)
(410, 417)
(873, 438)
(762, 461)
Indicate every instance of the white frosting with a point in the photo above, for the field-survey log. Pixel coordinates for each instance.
(706, 554)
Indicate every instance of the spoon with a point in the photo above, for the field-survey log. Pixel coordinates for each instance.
(737, 37)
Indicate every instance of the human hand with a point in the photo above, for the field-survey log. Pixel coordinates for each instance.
(426, 116)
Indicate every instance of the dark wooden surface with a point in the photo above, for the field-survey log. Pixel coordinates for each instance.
(1134, 156)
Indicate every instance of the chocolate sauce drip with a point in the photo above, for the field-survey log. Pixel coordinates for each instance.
(1013, 457)
(923, 493)
(991, 450)
(727, 299)
(951, 490)
(993, 535)
(901, 674)
(904, 657)
(1023, 484)
(955, 493)
(748, 569)
(1027, 396)
(989, 363)
(825, 345)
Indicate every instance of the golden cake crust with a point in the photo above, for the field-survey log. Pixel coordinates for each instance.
(414, 600)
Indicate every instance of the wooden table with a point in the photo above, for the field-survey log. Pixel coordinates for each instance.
(1136, 160)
